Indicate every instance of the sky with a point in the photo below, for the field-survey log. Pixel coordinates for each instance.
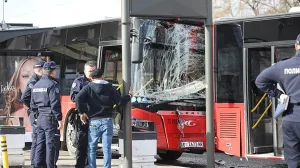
(54, 13)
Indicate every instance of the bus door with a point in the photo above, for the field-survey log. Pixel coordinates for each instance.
(279, 53)
(259, 111)
(112, 66)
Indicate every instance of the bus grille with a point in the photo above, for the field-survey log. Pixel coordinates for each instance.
(228, 125)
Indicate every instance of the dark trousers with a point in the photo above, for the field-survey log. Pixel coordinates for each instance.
(46, 139)
(82, 144)
(291, 142)
(34, 139)
(57, 145)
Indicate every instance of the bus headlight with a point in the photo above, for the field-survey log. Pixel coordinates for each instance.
(133, 100)
(139, 99)
(144, 99)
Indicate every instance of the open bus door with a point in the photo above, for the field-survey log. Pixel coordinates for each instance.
(264, 134)
(259, 110)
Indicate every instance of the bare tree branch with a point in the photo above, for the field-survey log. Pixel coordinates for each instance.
(288, 3)
(256, 7)
(253, 5)
(270, 6)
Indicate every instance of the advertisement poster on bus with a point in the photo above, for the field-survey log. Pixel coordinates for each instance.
(15, 74)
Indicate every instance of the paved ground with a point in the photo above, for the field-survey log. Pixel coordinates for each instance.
(199, 161)
(65, 160)
(186, 160)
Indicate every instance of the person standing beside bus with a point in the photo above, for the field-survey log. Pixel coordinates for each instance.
(82, 134)
(286, 74)
(100, 97)
(32, 111)
(45, 96)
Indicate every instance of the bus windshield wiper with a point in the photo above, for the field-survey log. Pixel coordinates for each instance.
(172, 101)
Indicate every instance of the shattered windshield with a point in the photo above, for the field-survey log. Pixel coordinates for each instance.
(173, 61)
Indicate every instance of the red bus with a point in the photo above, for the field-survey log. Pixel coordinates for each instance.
(243, 114)
(170, 81)
(171, 51)
(243, 47)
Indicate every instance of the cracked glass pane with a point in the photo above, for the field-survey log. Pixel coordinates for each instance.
(173, 61)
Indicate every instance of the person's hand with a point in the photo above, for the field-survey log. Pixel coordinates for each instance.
(283, 98)
(84, 118)
(59, 125)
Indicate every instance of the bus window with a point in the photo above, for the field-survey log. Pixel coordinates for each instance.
(229, 64)
(70, 74)
(110, 31)
(72, 58)
(73, 68)
(58, 61)
(113, 65)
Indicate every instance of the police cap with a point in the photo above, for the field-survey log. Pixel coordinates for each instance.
(39, 64)
(49, 65)
(298, 40)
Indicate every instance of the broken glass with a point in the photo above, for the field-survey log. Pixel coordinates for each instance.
(173, 61)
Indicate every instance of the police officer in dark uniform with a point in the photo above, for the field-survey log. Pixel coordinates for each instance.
(82, 134)
(32, 111)
(45, 95)
(287, 74)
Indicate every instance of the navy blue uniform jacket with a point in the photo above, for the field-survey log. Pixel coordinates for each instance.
(77, 85)
(26, 96)
(287, 74)
(45, 95)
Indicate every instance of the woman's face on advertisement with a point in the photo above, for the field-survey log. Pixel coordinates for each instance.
(26, 72)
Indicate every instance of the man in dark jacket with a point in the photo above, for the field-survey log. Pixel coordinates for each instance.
(99, 96)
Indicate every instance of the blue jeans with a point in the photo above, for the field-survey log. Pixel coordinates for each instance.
(100, 128)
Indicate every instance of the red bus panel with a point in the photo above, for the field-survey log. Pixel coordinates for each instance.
(228, 130)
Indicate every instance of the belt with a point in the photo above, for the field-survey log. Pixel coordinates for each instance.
(49, 117)
(99, 118)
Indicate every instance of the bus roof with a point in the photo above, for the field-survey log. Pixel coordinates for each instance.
(89, 23)
(12, 33)
(256, 18)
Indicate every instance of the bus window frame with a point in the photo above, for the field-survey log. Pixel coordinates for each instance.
(103, 60)
(216, 61)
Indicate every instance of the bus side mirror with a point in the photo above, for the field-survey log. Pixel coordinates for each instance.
(136, 52)
(136, 42)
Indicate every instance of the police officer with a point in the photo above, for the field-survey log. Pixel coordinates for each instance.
(82, 134)
(286, 73)
(32, 111)
(45, 95)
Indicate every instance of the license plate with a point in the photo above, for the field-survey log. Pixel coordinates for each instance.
(191, 144)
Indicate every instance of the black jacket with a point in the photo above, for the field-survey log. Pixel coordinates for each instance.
(99, 97)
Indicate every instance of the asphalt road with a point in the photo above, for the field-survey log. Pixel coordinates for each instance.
(199, 161)
(186, 160)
